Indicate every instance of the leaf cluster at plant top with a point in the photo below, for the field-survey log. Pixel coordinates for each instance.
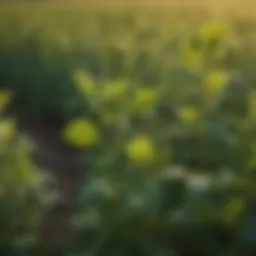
(171, 164)
(40, 51)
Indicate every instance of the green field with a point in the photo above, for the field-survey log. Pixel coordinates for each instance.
(154, 103)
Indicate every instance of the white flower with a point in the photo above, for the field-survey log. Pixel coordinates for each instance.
(198, 181)
(176, 215)
(225, 177)
(175, 172)
(103, 187)
(90, 218)
(136, 201)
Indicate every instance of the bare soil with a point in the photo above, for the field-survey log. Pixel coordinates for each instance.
(63, 165)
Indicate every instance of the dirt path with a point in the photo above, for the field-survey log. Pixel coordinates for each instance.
(58, 160)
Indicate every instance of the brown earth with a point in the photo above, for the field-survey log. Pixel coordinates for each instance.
(61, 163)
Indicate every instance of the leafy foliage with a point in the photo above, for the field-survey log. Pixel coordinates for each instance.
(165, 112)
(167, 167)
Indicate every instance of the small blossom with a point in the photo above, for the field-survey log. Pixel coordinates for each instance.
(215, 82)
(115, 91)
(144, 101)
(141, 151)
(136, 201)
(5, 98)
(175, 172)
(188, 115)
(81, 133)
(85, 82)
(198, 181)
(213, 30)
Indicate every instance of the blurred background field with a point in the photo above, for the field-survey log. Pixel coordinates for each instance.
(140, 115)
